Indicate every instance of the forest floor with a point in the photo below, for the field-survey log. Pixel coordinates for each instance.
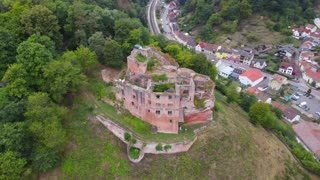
(229, 148)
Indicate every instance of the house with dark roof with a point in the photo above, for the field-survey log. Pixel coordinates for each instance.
(309, 135)
(259, 63)
(246, 57)
(236, 73)
(251, 77)
(287, 50)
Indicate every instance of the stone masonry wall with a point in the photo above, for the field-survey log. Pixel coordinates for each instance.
(145, 146)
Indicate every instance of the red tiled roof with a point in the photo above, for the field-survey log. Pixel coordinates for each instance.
(278, 105)
(307, 44)
(279, 78)
(253, 90)
(202, 44)
(309, 133)
(286, 65)
(252, 74)
(211, 47)
(307, 54)
(314, 75)
(311, 26)
(315, 35)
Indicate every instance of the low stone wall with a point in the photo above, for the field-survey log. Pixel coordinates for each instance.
(144, 146)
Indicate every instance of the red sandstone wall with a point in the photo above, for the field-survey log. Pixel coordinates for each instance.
(136, 67)
(198, 117)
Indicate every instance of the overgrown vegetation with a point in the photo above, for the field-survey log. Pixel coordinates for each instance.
(159, 147)
(227, 15)
(163, 87)
(199, 103)
(141, 58)
(152, 63)
(134, 153)
(263, 114)
(159, 77)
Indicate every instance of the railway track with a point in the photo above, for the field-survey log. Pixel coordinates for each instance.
(153, 26)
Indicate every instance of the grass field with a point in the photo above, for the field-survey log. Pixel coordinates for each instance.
(230, 148)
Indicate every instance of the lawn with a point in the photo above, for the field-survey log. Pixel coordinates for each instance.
(229, 148)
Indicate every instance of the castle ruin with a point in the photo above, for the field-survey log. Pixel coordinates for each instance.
(157, 91)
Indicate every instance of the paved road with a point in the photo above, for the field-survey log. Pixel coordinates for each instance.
(152, 20)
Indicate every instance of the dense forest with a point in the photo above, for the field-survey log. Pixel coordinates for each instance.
(48, 51)
(227, 14)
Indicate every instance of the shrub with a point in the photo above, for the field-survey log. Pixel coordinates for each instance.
(134, 153)
(167, 147)
(199, 103)
(141, 58)
(159, 77)
(127, 136)
(217, 107)
(252, 38)
(133, 141)
(151, 64)
(144, 144)
(159, 147)
(163, 87)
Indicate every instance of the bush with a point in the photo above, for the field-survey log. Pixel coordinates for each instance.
(133, 141)
(127, 136)
(159, 147)
(159, 77)
(167, 147)
(141, 58)
(151, 64)
(252, 38)
(217, 107)
(134, 153)
(163, 87)
(199, 103)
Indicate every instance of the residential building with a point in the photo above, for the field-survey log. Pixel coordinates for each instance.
(211, 48)
(309, 135)
(251, 77)
(259, 63)
(246, 57)
(165, 95)
(290, 115)
(264, 97)
(261, 96)
(277, 81)
(200, 47)
(306, 56)
(311, 27)
(225, 71)
(287, 68)
(310, 73)
(287, 50)
(236, 73)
